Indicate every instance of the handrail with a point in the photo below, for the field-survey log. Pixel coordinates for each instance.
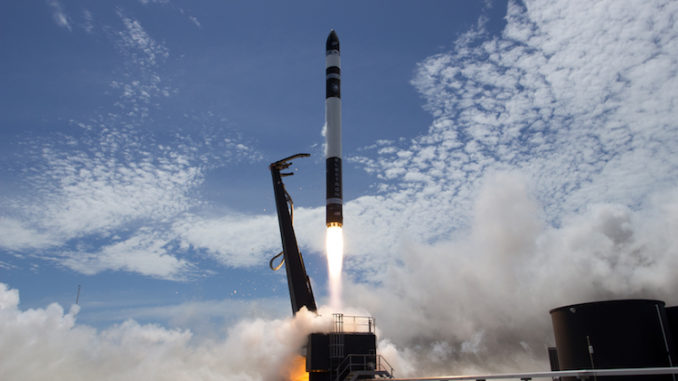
(553, 374)
(370, 362)
(350, 323)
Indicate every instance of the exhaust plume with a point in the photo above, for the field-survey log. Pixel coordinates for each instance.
(334, 240)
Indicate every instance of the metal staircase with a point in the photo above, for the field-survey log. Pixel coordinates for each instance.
(363, 366)
(355, 366)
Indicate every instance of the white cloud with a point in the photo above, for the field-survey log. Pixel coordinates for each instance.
(111, 177)
(142, 85)
(109, 187)
(146, 2)
(145, 50)
(88, 23)
(60, 17)
(195, 21)
(96, 191)
(233, 240)
(245, 240)
(145, 253)
(16, 236)
(204, 318)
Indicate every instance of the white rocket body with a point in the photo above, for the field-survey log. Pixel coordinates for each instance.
(334, 199)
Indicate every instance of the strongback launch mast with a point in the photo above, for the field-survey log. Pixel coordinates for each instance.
(301, 293)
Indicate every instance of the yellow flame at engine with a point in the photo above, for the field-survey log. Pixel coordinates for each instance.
(297, 369)
(334, 245)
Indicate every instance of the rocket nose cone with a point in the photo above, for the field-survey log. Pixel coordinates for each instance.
(332, 41)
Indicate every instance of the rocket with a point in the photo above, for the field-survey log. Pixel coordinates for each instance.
(333, 210)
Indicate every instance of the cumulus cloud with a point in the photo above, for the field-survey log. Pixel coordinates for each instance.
(251, 350)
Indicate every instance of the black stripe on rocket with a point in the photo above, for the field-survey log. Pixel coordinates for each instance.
(333, 209)
(332, 82)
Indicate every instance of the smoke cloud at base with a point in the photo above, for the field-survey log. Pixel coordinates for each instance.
(48, 344)
(481, 303)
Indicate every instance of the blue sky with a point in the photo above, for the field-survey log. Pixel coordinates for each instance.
(493, 150)
(225, 88)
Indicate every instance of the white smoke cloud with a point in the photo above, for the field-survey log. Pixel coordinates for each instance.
(48, 343)
(480, 303)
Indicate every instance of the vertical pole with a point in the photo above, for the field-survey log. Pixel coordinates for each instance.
(666, 342)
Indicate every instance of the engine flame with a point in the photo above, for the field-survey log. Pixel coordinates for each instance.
(334, 245)
(298, 369)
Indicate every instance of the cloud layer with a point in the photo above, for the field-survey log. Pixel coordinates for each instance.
(106, 192)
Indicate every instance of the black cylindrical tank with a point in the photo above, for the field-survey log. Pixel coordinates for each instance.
(672, 315)
(632, 333)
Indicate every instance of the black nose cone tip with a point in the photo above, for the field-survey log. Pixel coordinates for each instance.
(332, 41)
